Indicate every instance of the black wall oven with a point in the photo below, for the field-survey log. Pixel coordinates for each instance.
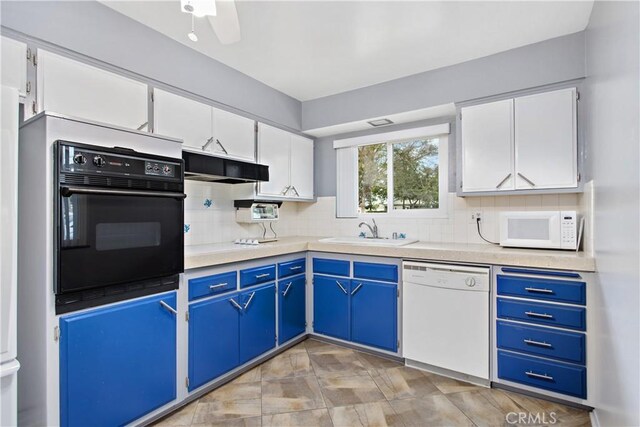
(120, 222)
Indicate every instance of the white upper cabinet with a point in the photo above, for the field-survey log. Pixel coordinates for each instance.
(13, 64)
(546, 140)
(75, 89)
(290, 161)
(487, 147)
(182, 118)
(235, 135)
(521, 144)
(203, 127)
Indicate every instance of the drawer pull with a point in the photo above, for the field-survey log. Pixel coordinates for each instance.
(286, 291)
(541, 291)
(297, 267)
(538, 343)
(540, 376)
(542, 315)
(221, 285)
(261, 276)
(342, 287)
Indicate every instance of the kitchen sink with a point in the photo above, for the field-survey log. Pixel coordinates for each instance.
(369, 241)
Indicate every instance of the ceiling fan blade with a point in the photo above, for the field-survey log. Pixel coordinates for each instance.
(226, 23)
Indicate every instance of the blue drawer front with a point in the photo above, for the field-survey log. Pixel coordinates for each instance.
(212, 285)
(541, 272)
(544, 314)
(334, 267)
(254, 276)
(544, 289)
(567, 346)
(286, 269)
(374, 271)
(554, 376)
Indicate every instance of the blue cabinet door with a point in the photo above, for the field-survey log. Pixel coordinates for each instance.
(291, 308)
(117, 363)
(374, 314)
(331, 306)
(213, 339)
(257, 322)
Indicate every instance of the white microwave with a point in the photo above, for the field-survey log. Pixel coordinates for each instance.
(541, 229)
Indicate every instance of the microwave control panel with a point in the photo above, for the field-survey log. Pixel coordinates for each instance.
(568, 229)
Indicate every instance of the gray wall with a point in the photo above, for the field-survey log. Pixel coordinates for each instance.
(612, 130)
(92, 29)
(538, 64)
(325, 154)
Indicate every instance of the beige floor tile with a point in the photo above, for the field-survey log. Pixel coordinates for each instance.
(315, 346)
(218, 411)
(182, 417)
(233, 392)
(250, 376)
(312, 418)
(373, 363)
(374, 414)
(235, 422)
(432, 411)
(403, 383)
(478, 408)
(291, 394)
(291, 363)
(336, 363)
(449, 385)
(343, 391)
(535, 405)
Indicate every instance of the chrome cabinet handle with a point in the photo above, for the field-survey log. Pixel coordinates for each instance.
(260, 276)
(501, 183)
(297, 267)
(526, 179)
(168, 307)
(224, 150)
(286, 291)
(534, 314)
(541, 376)
(353, 292)
(221, 285)
(293, 187)
(285, 190)
(539, 290)
(207, 144)
(235, 304)
(342, 287)
(539, 343)
(142, 126)
(249, 300)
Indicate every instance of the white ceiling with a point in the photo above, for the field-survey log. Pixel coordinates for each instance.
(311, 49)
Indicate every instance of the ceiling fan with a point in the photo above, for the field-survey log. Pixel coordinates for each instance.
(221, 14)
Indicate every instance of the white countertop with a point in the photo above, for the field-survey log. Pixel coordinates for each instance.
(224, 253)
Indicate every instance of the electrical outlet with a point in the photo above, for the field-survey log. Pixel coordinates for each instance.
(476, 216)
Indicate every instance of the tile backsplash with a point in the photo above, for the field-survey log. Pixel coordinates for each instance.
(210, 217)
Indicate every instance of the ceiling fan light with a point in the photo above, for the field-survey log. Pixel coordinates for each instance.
(193, 36)
(199, 8)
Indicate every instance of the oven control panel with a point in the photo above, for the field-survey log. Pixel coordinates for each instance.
(82, 159)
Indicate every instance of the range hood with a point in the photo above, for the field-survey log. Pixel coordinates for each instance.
(205, 167)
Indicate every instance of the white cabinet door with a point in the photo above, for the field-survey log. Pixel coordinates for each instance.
(75, 89)
(546, 140)
(274, 151)
(301, 167)
(487, 147)
(235, 134)
(182, 118)
(13, 68)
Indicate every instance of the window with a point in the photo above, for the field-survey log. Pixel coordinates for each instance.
(397, 173)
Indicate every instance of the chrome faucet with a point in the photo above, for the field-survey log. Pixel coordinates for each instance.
(374, 229)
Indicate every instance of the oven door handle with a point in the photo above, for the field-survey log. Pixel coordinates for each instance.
(69, 191)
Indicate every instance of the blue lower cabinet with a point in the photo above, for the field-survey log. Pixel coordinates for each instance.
(257, 321)
(562, 316)
(117, 363)
(374, 314)
(558, 377)
(291, 308)
(213, 339)
(331, 306)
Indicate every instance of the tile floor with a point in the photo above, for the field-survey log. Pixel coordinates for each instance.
(320, 384)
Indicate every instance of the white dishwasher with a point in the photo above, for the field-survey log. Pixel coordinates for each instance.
(446, 317)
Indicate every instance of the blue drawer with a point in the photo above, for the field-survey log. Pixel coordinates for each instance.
(374, 271)
(566, 346)
(554, 376)
(212, 285)
(289, 268)
(257, 275)
(561, 316)
(334, 267)
(544, 289)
